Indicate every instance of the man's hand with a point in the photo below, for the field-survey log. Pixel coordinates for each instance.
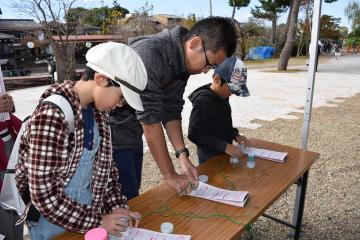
(242, 140)
(188, 168)
(183, 184)
(233, 151)
(6, 103)
(119, 220)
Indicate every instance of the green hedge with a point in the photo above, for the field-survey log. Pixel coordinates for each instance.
(350, 40)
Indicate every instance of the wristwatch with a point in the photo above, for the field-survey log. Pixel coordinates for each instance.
(180, 151)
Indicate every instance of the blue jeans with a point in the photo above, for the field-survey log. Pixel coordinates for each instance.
(129, 162)
(205, 154)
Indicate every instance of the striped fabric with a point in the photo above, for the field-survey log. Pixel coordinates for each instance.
(49, 157)
(5, 135)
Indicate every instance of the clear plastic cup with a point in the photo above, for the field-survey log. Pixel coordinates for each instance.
(124, 221)
(251, 160)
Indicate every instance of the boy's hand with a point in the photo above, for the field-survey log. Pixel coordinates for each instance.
(114, 223)
(119, 220)
(233, 151)
(132, 216)
(242, 140)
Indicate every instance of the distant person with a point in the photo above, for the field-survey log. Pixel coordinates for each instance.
(328, 47)
(8, 132)
(170, 57)
(52, 69)
(337, 49)
(210, 126)
(317, 56)
(353, 46)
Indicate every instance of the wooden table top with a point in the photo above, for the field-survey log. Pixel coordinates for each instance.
(265, 184)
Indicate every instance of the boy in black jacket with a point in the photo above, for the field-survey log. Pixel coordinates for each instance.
(210, 126)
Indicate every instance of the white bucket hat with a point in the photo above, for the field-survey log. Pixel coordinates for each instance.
(123, 65)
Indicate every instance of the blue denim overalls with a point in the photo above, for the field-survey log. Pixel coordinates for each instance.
(78, 189)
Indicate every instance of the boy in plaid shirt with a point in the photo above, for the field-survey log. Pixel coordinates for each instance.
(71, 177)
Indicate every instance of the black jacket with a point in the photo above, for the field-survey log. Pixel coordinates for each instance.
(210, 126)
(126, 130)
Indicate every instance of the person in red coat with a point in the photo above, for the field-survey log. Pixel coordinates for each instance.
(8, 133)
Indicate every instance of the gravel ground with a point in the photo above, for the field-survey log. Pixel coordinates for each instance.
(333, 196)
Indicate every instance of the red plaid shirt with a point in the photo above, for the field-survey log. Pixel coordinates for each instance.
(49, 158)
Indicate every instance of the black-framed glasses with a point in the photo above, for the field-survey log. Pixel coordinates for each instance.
(207, 64)
(112, 83)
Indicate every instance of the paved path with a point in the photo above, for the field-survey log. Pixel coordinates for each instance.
(276, 94)
(273, 94)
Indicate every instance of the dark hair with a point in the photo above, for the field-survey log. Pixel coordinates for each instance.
(222, 81)
(88, 74)
(217, 33)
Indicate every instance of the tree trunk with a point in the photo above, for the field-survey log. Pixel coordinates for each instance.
(286, 51)
(233, 11)
(240, 48)
(283, 38)
(273, 33)
(65, 62)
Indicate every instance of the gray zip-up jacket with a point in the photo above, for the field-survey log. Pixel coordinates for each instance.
(163, 57)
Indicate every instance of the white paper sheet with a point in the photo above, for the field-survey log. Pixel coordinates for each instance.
(236, 198)
(144, 234)
(268, 154)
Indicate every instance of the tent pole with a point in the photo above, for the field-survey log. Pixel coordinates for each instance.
(311, 72)
(302, 182)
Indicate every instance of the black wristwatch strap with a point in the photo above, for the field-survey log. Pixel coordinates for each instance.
(180, 151)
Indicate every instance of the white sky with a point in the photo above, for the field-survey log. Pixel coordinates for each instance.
(186, 7)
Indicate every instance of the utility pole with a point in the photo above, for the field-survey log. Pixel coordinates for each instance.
(210, 8)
